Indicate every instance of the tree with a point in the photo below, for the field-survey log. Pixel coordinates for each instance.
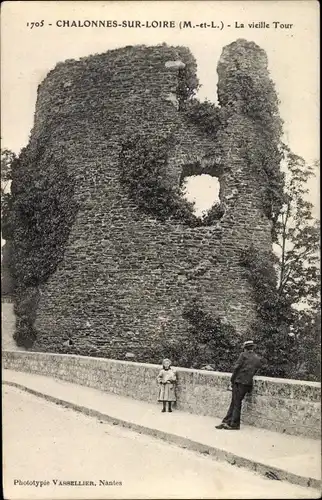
(270, 330)
(307, 344)
(298, 240)
(7, 159)
(286, 283)
(298, 237)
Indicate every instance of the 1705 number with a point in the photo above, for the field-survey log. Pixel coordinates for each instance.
(35, 24)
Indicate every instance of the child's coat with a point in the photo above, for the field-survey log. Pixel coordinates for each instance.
(167, 380)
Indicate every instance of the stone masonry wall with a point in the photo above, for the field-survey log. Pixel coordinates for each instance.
(291, 406)
(124, 275)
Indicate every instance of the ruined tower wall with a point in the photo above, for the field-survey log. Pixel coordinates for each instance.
(125, 276)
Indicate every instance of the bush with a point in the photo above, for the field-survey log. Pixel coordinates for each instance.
(25, 306)
(271, 329)
(205, 115)
(209, 340)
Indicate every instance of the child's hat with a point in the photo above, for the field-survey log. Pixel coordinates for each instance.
(166, 360)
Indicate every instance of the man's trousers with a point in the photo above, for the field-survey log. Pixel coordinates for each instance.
(238, 393)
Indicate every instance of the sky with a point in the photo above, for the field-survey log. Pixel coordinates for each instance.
(293, 54)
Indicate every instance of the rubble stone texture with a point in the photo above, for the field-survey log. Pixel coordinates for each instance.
(124, 276)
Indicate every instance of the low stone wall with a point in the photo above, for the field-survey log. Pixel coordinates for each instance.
(289, 406)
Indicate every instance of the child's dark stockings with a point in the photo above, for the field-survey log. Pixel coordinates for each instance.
(165, 406)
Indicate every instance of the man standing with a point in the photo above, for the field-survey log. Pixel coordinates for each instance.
(242, 382)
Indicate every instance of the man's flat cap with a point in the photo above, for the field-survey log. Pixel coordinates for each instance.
(248, 343)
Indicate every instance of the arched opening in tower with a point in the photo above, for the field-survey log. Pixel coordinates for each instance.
(200, 184)
(203, 190)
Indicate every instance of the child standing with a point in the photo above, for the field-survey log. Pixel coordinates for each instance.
(167, 379)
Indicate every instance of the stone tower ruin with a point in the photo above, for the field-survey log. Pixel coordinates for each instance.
(122, 275)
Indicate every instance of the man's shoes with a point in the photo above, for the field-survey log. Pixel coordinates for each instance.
(163, 410)
(227, 427)
(221, 426)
